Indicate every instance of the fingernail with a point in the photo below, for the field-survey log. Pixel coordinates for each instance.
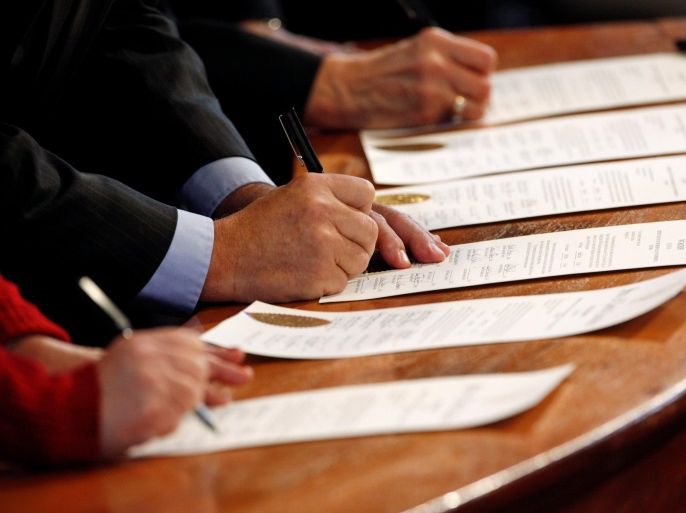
(438, 250)
(402, 254)
(249, 371)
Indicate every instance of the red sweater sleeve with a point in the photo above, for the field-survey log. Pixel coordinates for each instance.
(43, 418)
(18, 317)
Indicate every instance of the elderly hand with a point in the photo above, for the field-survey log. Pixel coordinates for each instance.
(399, 233)
(413, 82)
(151, 380)
(300, 241)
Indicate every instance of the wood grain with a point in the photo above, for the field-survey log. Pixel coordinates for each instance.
(627, 396)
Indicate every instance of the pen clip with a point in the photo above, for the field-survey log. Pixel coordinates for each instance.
(286, 124)
(309, 155)
(96, 294)
(297, 137)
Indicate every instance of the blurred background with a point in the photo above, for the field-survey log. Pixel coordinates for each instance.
(366, 19)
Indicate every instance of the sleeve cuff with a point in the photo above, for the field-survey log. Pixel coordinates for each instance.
(212, 183)
(178, 281)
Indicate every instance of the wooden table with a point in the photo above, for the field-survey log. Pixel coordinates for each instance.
(607, 440)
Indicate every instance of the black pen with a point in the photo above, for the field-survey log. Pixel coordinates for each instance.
(302, 147)
(96, 294)
(418, 12)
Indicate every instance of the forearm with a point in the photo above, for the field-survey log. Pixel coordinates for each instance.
(85, 223)
(55, 355)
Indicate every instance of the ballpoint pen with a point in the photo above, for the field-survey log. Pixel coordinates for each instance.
(418, 12)
(96, 294)
(297, 137)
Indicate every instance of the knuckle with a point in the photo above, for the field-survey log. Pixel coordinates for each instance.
(430, 34)
(359, 263)
(424, 93)
(477, 111)
(315, 207)
(425, 114)
(489, 57)
(368, 189)
(482, 89)
(152, 413)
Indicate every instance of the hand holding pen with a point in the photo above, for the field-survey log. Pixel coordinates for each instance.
(163, 369)
(394, 229)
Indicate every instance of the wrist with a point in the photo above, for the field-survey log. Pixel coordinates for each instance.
(57, 356)
(220, 281)
(241, 198)
(332, 102)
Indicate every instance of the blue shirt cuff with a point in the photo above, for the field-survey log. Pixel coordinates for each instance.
(178, 281)
(209, 185)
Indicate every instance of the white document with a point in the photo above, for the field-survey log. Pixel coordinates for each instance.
(578, 86)
(587, 85)
(433, 404)
(535, 144)
(611, 248)
(541, 192)
(259, 330)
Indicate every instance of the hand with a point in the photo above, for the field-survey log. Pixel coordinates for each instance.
(241, 198)
(226, 371)
(301, 241)
(56, 355)
(398, 232)
(413, 82)
(150, 381)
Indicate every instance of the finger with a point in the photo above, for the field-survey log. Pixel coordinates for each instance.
(351, 258)
(191, 366)
(478, 56)
(472, 109)
(435, 102)
(217, 394)
(390, 245)
(229, 354)
(470, 84)
(355, 192)
(440, 81)
(228, 373)
(184, 393)
(421, 243)
(356, 227)
(171, 339)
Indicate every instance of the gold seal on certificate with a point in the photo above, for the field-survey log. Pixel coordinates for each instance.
(288, 321)
(424, 146)
(405, 198)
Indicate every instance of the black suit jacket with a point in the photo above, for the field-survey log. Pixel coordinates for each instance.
(95, 95)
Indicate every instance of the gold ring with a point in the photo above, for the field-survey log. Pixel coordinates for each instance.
(458, 106)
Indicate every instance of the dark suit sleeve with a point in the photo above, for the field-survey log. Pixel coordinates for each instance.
(143, 106)
(255, 79)
(228, 10)
(58, 224)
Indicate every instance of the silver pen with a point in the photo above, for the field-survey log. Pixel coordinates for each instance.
(96, 294)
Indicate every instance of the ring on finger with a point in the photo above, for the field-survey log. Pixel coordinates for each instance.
(459, 105)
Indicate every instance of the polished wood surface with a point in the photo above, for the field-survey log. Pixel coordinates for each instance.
(612, 417)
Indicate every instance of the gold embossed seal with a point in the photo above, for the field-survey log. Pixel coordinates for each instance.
(288, 321)
(406, 198)
(411, 147)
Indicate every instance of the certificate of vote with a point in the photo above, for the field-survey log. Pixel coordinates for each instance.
(289, 333)
(408, 406)
(611, 248)
(579, 86)
(541, 192)
(575, 139)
